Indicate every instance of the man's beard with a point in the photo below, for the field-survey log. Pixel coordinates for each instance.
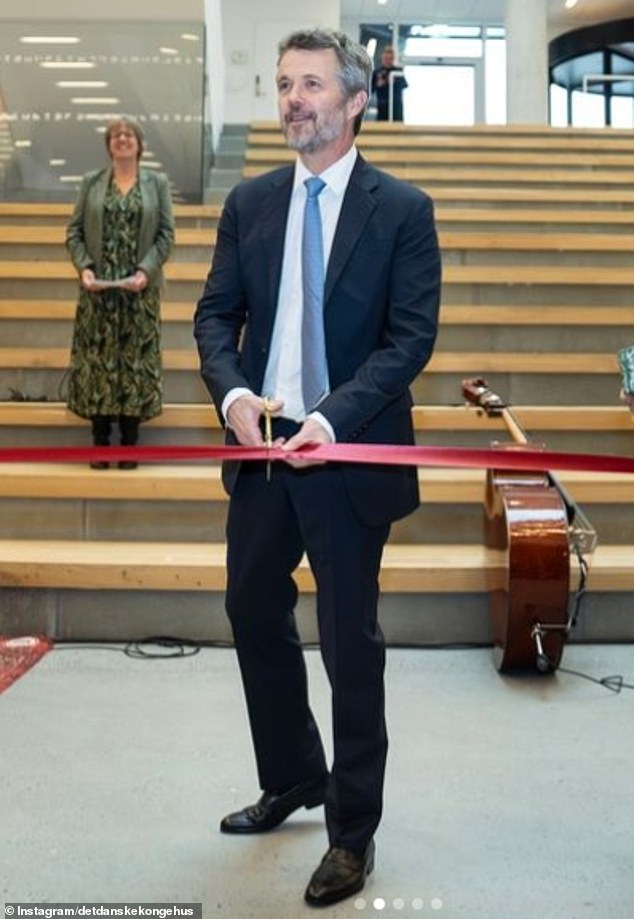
(322, 134)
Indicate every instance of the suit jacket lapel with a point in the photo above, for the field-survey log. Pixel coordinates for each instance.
(358, 204)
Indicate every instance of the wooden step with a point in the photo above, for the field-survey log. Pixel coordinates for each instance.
(201, 482)
(65, 310)
(402, 156)
(544, 241)
(545, 217)
(427, 418)
(65, 209)
(46, 270)
(480, 136)
(562, 195)
(193, 235)
(451, 314)
(454, 176)
(40, 235)
(494, 274)
(467, 363)
(99, 565)
(533, 315)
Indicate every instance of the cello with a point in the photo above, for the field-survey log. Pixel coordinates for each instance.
(540, 532)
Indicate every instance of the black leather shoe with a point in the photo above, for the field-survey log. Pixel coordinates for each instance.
(340, 874)
(273, 808)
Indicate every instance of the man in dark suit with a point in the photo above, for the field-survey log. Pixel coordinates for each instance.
(388, 84)
(379, 324)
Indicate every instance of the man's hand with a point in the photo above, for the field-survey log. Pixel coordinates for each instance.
(243, 417)
(310, 433)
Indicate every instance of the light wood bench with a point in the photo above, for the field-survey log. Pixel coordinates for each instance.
(546, 240)
(530, 134)
(45, 233)
(41, 235)
(545, 217)
(435, 143)
(465, 363)
(65, 310)
(451, 314)
(547, 197)
(574, 275)
(99, 565)
(426, 418)
(63, 270)
(412, 155)
(538, 315)
(65, 209)
(454, 176)
(201, 482)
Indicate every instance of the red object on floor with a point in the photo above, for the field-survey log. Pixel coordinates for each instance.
(18, 654)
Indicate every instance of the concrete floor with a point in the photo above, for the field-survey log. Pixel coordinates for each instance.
(505, 797)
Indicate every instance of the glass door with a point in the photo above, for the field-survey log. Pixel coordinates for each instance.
(442, 94)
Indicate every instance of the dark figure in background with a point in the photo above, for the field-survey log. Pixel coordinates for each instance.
(376, 332)
(122, 229)
(381, 88)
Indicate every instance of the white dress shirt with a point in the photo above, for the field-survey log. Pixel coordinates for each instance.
(283, 377)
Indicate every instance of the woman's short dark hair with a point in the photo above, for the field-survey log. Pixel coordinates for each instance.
(355, 64)
(124, 121)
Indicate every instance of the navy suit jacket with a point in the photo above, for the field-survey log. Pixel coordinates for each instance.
(380, 314)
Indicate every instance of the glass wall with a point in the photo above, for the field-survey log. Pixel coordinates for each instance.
(456, 73)
(592, 69)
(59, 88)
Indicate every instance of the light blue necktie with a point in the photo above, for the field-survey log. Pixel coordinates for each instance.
(314, 366)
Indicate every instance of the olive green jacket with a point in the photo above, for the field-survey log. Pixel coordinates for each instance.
(156, 233)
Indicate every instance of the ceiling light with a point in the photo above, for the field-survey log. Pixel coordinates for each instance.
(570, 3)
(57, 162)
(95, 100)
(49, 40)
(188, 36)
(81, 84)
(168, 50)
(22, 143)
(70, 65)
(70, 178)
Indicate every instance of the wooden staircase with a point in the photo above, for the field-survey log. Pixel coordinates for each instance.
(536, 231)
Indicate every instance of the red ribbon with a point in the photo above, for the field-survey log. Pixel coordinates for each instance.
(521, 458)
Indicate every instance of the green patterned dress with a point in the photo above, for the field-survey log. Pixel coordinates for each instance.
(116, 349)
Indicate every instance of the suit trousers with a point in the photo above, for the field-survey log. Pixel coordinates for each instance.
(270, 525)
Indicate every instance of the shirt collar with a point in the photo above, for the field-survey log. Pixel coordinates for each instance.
(336, 176)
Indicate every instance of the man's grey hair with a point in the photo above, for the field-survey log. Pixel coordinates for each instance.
(355, 64)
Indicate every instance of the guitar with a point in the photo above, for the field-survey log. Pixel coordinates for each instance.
(541, 532)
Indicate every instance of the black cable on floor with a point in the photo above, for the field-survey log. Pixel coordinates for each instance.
(614, 683)
(168, 647)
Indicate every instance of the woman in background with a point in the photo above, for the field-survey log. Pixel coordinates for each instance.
(626, 365)
(119, 236)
